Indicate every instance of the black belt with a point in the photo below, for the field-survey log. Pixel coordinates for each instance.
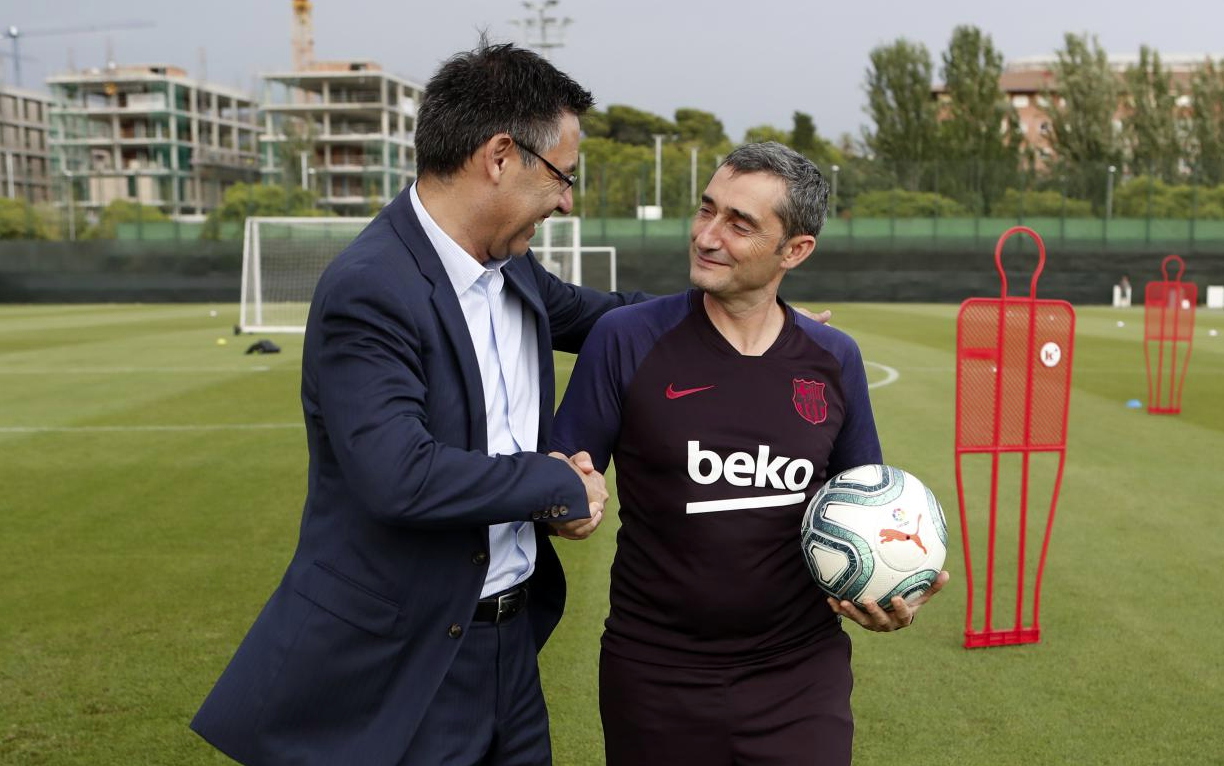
(502, 606)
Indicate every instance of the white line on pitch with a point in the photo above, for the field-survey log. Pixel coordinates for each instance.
(115, 429)
(890, 375)
(130, 370)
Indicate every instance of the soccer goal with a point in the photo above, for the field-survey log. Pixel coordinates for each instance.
(282, 259)
(558, 246)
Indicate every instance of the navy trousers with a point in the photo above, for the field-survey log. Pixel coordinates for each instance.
(490, 709)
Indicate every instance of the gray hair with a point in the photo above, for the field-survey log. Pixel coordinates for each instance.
(806, 203)
(493, 89)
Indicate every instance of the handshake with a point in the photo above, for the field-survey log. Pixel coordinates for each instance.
(597, 495)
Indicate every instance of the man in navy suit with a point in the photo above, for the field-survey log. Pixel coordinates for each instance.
(406, 627)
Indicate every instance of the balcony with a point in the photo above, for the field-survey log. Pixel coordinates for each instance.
(226, 158)
(343, 107)
(345, 201)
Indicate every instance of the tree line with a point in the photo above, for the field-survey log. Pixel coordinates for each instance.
(1140, 128)
(961, 152)
(1135, 144)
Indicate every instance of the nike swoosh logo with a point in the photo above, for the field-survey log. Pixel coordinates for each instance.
(674, 394)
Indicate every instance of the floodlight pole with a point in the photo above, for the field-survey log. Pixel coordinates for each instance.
(833, 193)
(305, 182)
(542, 22)
(14, 34)
(582, 181)
(693, 177)
(71, 207)
(658, 137)
(1109, 182)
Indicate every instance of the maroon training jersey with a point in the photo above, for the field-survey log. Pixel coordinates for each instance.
(717, 455)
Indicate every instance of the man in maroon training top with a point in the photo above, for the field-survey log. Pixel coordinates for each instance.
(725, 412)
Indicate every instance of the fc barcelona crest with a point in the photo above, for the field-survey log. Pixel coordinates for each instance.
(810, 401)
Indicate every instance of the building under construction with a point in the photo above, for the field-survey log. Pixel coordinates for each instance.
(24, 158)
(343, 129)
(149, 134)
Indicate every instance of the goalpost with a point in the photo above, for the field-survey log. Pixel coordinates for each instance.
(558, 246)
(283, 258)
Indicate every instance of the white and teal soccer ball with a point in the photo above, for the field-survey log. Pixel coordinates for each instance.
(874, 532)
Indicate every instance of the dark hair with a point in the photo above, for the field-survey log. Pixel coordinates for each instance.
(806, 203)
(494, 89)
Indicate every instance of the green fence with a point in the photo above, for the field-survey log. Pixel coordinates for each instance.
(173, 231)
(33, 271)
(1120, 234)
(1117, 234)
(904, 233)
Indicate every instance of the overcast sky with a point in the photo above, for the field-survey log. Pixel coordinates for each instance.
(750, 63)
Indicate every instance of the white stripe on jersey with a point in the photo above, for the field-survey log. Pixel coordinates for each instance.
(742, 503)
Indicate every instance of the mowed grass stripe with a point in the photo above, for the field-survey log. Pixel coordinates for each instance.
(54, 372)
(136, 555)
(231, 392)
(133, 562)
(1100, 550)
(121, 604)
(51, 319)
(152, 401)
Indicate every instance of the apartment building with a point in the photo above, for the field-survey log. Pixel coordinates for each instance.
(24, 159)
(1027, 81)
(1028, 84)
(149, 134)
(343, 129)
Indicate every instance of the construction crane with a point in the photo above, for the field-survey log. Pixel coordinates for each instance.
(16, 34)
(303, 35)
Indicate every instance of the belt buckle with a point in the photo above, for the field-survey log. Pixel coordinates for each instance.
(509, 604)
(505, 605)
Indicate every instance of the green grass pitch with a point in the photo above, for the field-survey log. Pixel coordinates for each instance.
(151, 482)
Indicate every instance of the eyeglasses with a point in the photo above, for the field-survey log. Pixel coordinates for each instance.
(565, 178)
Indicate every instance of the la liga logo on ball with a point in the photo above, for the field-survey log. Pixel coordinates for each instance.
(872, 533)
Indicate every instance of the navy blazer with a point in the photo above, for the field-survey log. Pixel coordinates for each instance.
(350, 649)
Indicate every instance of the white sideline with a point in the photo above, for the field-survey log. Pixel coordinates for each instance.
(123, 429)
(890, 375)
(131, 370)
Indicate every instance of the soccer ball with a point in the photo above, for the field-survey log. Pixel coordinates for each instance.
(874, 532)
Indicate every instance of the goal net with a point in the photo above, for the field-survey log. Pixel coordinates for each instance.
(282, 259)
(558, 246)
